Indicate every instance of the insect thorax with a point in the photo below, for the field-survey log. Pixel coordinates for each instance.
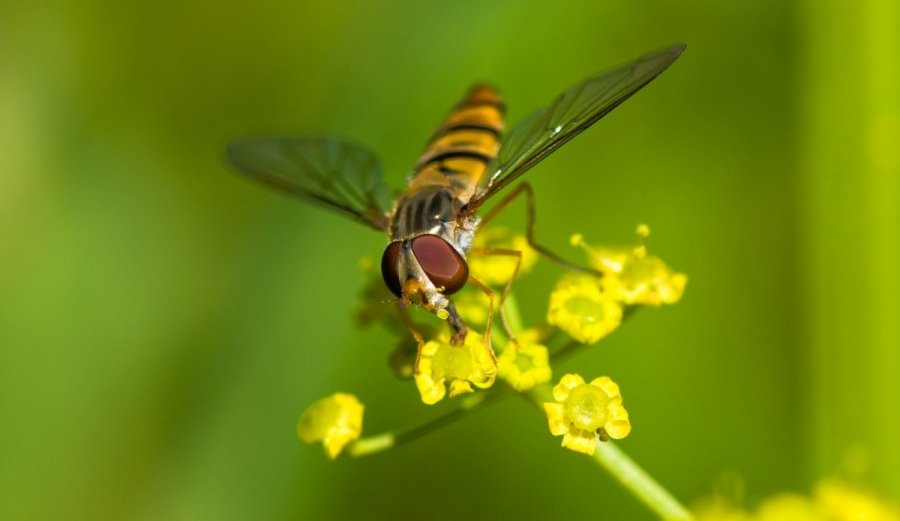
(432, 210)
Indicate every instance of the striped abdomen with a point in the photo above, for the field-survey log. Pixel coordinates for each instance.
(459, 151)
(449, 172)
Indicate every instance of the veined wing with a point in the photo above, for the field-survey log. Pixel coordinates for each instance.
(573, 111)
(337, 173)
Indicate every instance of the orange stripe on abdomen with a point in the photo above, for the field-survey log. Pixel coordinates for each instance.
(460, 150)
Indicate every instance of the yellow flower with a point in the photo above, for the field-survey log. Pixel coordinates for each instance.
(586, 412)
(498, 269)
(524, 363)
(444, 365)
(582, 309)
(634, 277)
(831, 501)
(335, 421)
(840, 502)
(787, 507)
(646, 281)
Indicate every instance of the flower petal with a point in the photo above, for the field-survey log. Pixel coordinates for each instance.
(458, 387)
(580, 441)
(566, 384)
(335, 421)
(556, 419)
(430, 390)
(608, 386)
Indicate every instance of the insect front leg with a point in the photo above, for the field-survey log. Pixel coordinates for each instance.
(525, 188)
(490, 314)
(456, 323)
(504, 320)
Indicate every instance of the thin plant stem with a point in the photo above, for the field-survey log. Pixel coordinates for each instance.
(638, 482)
(565, 351)
(388, 440)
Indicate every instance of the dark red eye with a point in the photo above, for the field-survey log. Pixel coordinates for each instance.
(444, 265)
(390, 263)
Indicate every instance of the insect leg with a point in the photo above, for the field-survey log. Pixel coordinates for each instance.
(456, 323)
(487, 327)
(508, 253)
(525, 188)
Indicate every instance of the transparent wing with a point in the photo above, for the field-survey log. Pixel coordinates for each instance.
(573, 111)
(337, 173)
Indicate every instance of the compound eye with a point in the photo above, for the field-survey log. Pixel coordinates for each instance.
(390, 266)
(440, 261)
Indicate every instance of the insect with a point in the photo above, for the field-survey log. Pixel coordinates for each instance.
(433, 222)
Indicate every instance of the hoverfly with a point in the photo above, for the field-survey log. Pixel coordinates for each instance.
(432, 224)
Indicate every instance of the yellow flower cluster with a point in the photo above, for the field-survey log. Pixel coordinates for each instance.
(586, 412)
(443, 365)
(335, 421)
(845, 503)
(589, 308)
(831, 500)
(632, 276)
(585, 307)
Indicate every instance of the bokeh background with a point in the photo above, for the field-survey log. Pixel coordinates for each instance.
(163, 322)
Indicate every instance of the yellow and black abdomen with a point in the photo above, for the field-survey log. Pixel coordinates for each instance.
(460, 150)
(447, 175)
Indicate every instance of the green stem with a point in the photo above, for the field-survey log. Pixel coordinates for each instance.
(372, 444)
(388, 440)
(626, 471)
(639, 483)
(565, 351)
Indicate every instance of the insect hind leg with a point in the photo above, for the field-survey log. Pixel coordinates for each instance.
(525, 188)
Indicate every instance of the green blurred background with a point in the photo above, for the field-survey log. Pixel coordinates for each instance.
(163, 322)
